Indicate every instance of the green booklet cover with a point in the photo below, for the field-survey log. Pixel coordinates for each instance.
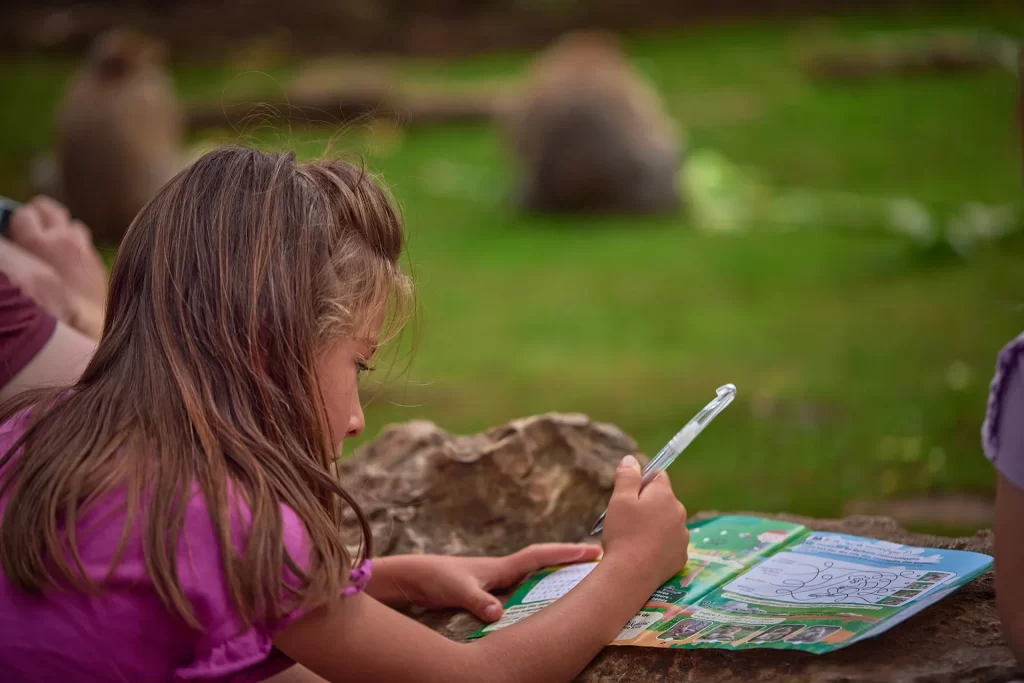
(760, 583)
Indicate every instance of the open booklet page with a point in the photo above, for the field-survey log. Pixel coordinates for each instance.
(759, 583)
(719, 550)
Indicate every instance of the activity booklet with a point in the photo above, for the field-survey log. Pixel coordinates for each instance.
(760, 583)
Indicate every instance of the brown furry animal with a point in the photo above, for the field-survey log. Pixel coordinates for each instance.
(589, 134)
(119, 133)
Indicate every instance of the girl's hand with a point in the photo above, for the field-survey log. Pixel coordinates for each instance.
(437, 581)
(645, 533)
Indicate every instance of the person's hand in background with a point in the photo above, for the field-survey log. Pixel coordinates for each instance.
(45, 229)
(36, 279)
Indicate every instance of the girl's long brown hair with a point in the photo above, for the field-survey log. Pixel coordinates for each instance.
(227, 287)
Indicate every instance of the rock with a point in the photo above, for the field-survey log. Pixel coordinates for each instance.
(899, 56)
(546, 478)
(539, 479)
(335, 91)
(945, 510)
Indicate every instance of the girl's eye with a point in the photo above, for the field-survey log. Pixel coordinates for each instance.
(362, 367)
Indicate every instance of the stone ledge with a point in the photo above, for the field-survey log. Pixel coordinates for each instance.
(546, 478)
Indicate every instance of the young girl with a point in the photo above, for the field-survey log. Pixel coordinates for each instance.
(174, 515)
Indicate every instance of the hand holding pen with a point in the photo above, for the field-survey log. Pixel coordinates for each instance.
(683, 438)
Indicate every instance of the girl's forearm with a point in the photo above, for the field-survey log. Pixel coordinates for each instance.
(559, 641)
(386, 583)
(360, 639)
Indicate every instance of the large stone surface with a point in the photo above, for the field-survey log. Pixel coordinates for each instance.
(546, 478)
(533, 480)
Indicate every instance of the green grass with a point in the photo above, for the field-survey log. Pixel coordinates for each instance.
(840, 344)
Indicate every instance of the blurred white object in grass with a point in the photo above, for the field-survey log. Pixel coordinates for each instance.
(721, 196)
(981, 223)
(724, 197)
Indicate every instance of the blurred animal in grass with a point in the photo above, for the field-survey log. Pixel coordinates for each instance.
(119, 134)
(589, 134)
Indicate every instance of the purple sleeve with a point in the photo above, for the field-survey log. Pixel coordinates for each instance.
(226, 650)
(1003, 431)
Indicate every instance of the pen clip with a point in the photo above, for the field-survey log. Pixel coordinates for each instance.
(725, 394)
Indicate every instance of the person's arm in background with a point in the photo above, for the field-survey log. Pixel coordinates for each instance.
(36, 279)
(1004, 446)
(51, 257)
(36, 350)
(1010, 563)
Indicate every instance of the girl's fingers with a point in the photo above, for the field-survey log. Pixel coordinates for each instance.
(535, 557)
(482, 604)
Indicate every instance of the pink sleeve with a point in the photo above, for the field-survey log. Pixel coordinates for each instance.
(226, 649)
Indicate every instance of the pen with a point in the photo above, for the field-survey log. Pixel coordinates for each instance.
(678, 443)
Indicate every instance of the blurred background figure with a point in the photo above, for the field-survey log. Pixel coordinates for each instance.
(119, 133)
(590, 135)
(821, 205)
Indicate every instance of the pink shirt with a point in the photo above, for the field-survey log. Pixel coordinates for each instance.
(126, 633)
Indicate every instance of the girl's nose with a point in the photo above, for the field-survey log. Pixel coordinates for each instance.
(356, 420)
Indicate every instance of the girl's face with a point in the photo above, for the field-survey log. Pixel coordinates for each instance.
(338, 374)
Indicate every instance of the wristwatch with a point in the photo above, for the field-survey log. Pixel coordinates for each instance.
(7, 209)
